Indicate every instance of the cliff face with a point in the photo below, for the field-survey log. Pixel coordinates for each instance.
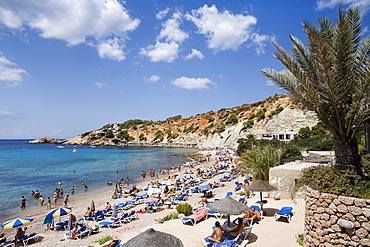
(222, 128)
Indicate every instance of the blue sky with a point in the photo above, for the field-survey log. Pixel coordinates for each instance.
(67, 67)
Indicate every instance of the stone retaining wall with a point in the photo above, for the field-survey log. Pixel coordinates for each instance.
(323, 210)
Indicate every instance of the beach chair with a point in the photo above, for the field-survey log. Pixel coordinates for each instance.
(196, 216)
(286, 212)
(7, 243)
(80, 232)
(218, 216)
(225, 243)
(29, 237)
(133, 215)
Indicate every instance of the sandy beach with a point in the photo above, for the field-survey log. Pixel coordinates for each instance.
(267, 233)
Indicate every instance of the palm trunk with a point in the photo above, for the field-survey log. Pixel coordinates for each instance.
(346, 154)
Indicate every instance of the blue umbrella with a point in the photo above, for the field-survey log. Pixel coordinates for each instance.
(204, 187)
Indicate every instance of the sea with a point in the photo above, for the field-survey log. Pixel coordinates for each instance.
(30, 167)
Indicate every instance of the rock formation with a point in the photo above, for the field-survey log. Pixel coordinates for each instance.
(222, 128)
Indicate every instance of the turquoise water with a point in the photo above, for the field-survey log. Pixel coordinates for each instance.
(27, 167)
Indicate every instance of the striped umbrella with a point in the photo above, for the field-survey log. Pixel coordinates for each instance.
(16, 222)
(59, 212)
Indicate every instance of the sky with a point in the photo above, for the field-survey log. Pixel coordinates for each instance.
(71, 66)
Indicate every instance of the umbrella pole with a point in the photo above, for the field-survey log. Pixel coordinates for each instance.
(261, 204)
(228, 223)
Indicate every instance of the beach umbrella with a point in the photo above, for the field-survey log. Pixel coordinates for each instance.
(70, 226)
(198, 180)
(153, 191)
(260, 186)
(92, 207)
(167, 182)
(188, 176)
(228, 206)
(150, 199)
(179, 180)
(59, 212)
(16, 222)
(114, 213)
(205, 170)
(149, 187)
(153, 238)
(204, 187)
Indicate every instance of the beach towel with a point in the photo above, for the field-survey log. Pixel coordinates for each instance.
(48, 220)
(126, 229)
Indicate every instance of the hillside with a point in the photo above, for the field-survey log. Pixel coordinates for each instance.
(223, 128)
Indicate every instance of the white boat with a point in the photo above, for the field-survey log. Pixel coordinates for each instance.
(60, 146)
(92, 146)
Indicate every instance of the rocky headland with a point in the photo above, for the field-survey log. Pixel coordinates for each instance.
(274, 115)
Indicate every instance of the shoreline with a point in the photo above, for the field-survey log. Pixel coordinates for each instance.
(79, 202)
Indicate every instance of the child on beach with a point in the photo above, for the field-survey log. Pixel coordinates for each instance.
(41, 200)
(49, 203)
(66, 200)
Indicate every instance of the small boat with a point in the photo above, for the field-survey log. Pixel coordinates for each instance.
(92, 146)
(60, 146)
(74, 150)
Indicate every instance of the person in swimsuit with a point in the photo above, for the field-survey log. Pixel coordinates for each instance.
(216, 236)
(23, 203)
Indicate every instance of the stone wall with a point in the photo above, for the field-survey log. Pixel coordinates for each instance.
(323, 210)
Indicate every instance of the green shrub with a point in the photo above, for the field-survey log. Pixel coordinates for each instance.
(177, 117)
(109, 134)
(291, 153)
(300, 239)
(184, 208)
(170, 216)
(210, 119)
(105, 239)
(331, 179)
(232, 119)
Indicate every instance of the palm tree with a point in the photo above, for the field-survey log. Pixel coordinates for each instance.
(331, 76)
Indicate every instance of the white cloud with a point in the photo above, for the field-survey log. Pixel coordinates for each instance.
(153, 78)
(194, 53)
(6, 113)
(224, 30)
(192, 83)
(364, 5)
(161, 14)
(112, 49)
(10, 73)
(99, 84)
(71, 21)
(168, 49)
(161, 51)
(171, 30)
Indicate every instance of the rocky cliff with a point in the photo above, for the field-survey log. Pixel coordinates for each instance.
(274, 115)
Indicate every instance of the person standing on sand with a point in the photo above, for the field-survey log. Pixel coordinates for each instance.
(55, 199)
(66, 200)
(23, 203)
(49, 203)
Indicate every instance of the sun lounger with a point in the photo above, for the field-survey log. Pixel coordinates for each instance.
(30, 236)
(7, 243)
(196, 216)
(225, 243)
(82, 231)
(218, 216)
(286, 212)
